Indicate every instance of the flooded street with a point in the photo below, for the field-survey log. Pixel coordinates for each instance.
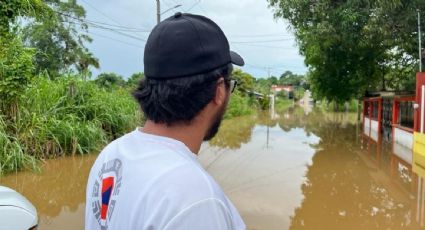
(300, 170)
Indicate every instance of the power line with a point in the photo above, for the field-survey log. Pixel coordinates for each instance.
(264, 46)
(196, 3)
(117, 40)
(275, 68)
(170, 5)
(202, 9)
(112, 30)
(261, 35)
(106, 16)
(121, 33)
(118, 30)
(265, 41)
(103, 27)
(102, 23)
(175, 2)
(166, 3)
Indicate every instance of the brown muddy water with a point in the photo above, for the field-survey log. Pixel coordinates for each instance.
(300, 170)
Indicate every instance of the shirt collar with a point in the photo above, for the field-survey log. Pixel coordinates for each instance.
(170, 142)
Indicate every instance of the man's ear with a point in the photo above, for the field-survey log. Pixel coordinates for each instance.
(220, 92)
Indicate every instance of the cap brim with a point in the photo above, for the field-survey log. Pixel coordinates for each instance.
(236, 59)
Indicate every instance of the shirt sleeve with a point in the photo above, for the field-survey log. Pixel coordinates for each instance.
(208, 214)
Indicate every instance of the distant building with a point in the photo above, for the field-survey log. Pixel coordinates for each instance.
(279, 88)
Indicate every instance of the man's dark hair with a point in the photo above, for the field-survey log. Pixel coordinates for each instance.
(178, 100)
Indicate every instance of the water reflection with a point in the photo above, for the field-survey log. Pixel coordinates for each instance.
(357, 185)
(235, 132)
(58, 192)
(339, 179)
(263, 177)
(300, 170)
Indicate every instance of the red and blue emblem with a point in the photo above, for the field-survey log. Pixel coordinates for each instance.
(107, 187)
(105, 192)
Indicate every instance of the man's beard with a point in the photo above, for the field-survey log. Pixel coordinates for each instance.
(212, 131)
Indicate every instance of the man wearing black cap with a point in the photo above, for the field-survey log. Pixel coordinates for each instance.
(150, 178)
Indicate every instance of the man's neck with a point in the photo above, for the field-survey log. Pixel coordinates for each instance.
(190, 135)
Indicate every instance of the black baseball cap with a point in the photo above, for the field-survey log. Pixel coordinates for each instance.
(185, 45)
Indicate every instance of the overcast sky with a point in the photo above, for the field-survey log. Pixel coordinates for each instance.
(248, 24)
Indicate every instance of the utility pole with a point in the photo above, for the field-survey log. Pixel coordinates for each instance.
(158, 11)
(420, 41)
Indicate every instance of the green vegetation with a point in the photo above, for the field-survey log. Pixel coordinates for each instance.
(352, 46)
(349, 106)
(47, 110)
(282, 104)
(134, 80)
(60, 40)
(68, 115)
(234, 132)
(242, 102)
(110, 80)
(15, 72)
(11, 10)
(296, 80)
(239, 105)
(49, 105)
(64, 116)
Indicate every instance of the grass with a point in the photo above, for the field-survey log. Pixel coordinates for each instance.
(69, 116)
(12, 155)
(66, 116)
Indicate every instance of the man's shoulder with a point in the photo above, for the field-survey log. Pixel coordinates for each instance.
(133, 145)
(188, 178)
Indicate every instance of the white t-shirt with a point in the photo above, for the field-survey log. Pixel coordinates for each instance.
(143, 181)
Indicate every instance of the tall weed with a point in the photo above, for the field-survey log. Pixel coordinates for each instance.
(64, 116)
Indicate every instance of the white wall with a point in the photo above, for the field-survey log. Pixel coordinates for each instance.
(374, 126)
(403, 152)
(366, 126)
(374, 132)
(403, 137)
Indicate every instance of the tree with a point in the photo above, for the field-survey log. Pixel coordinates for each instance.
(110, 80)
(59, 42)
(16, 69)
(273, 80)
(349, 45)
(16, 60)
(289, 78)
(10, 10)
(245, 81)
(135, 78)
(286, 74)
(262, 85)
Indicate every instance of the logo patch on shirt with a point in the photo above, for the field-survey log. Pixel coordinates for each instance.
(105, 191)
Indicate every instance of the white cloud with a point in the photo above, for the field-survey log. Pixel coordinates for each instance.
(242, 21)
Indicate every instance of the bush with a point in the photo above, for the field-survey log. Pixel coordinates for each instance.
(64, 116)
(15, 72)
(238, 106)
(12, 156)
(264, 103)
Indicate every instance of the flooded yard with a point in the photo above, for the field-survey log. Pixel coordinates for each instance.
(298, 169)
